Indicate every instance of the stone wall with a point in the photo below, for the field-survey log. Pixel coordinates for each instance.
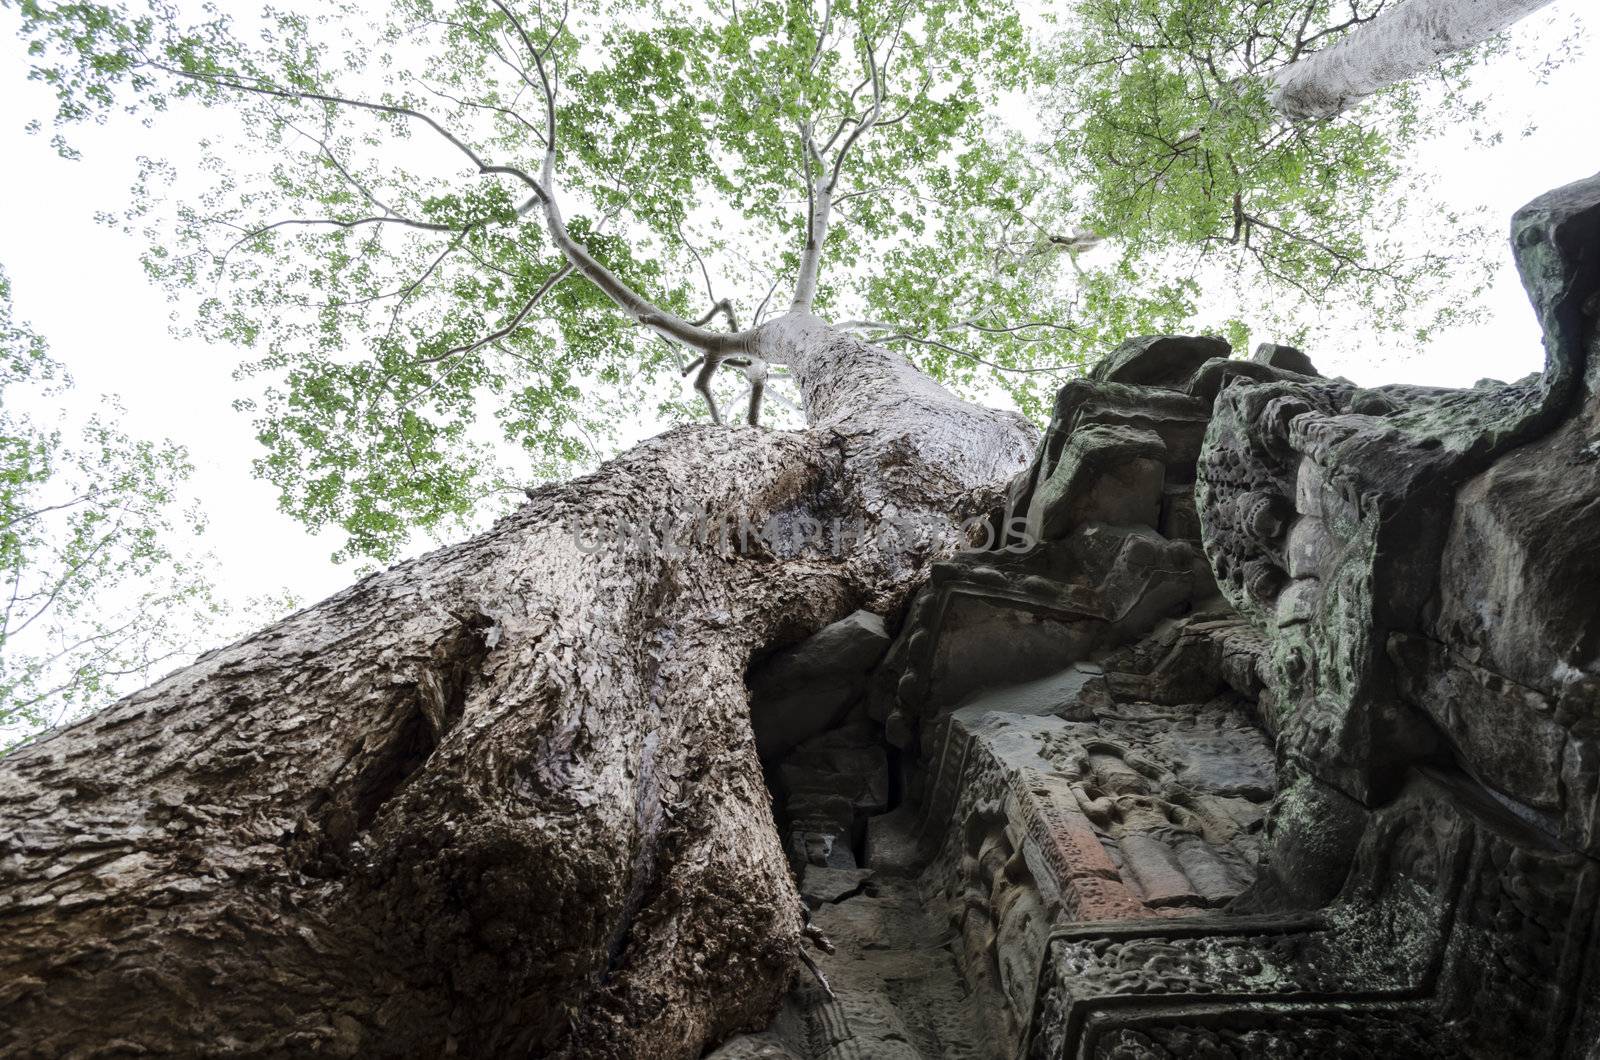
(1269, 726)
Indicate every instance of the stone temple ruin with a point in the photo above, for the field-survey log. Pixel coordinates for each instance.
(1282, 741)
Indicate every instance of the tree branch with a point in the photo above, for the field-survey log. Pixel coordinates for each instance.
(635, 305)
(511, 325)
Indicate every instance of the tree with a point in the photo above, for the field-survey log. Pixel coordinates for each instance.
(1388, 46)
(504, 798)
(416, 369)
(98, 596)
(409, 310)
(1179, 127)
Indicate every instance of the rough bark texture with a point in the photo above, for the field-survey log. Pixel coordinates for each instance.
(1399, 44)
(500, 800)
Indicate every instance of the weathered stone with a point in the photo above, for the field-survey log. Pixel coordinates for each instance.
(1180, 520)
(1178, 419)
(1031, 614)
(824, 849)
(858, 774)
(1158, 874)
(852, 645)
(1554, 239)
(820, 884)
(822, 810)
(899, 730)
(1217, 374)
(786, 717)
(1105, 475)
(1070, 693)
(893, 840)
(1505, 733)
(1285, 357)
(1159, 360)
(806, 689)
(984, 640)
(1373, 403)
(1521, 563)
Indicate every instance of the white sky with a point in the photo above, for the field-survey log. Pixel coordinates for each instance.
(80, 285)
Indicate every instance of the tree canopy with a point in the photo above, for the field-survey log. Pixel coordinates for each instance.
(1166, 135)
(98, 594)
(1016, 191)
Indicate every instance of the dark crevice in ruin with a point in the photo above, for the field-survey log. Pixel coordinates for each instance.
(859, 889)
(824, 757)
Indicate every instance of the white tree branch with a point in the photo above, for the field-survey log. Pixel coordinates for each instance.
(1404, 41)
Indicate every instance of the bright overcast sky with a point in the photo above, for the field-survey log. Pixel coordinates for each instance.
(80, 285)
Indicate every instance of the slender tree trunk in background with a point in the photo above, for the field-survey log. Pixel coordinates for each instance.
(499, 800)
(1404, 41)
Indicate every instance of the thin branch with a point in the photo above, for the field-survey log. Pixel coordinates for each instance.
(867, 121)
(771, 289)
(722, 305)
(902, 336)
(393, 110)
(333, 222)
(511, 325)
(508, 112)
(25, 516)
(645, 312)
(405, 293)
(975, 326)
(920, 341)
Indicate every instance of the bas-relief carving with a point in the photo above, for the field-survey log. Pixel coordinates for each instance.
(1432, 660)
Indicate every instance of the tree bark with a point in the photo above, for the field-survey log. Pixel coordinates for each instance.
(1401, 43)
(499, 800)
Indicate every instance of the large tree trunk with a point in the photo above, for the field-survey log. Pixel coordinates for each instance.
(1408, 40)
(502, 799)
